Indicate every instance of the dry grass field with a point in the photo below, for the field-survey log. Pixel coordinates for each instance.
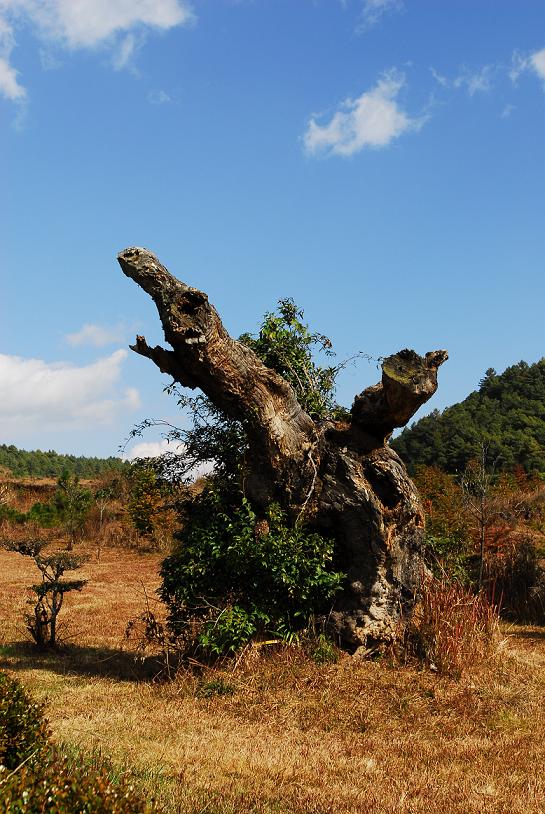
(276, 732)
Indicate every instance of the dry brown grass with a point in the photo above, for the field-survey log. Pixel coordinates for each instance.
(291, 736)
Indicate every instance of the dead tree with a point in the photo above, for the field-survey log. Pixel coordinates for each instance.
(341, 476)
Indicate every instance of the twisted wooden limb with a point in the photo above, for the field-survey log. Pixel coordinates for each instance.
(341, 476)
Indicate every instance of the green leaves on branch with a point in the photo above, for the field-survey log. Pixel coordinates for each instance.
(287, 345)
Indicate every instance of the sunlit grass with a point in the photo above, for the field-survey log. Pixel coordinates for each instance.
(289, 735)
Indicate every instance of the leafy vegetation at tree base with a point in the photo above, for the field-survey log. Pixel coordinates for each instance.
(234, 575)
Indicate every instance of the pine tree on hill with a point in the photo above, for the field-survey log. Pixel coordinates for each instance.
(37, 464)
(506, 413)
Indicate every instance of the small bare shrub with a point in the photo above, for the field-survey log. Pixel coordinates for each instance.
(513, 572)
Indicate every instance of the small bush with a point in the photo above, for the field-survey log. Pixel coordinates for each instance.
(512, 574)
(452, 629)
(449, 554)
(216, 686)
(322, 650)
(42, 622)
(35, 777)
(22, 727)
(235, 576)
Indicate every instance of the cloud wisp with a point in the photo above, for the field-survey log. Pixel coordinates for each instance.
(96, 336)
(9, 82)
(535, 63)
(374, 10)
(39, 394)
(154, 449)
(372, 120)
(117, 25)
(477, 81)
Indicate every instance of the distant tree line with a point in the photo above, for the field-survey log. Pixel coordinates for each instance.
(37, 464)
(506, 414)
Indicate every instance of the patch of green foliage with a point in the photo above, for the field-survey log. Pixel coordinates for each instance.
(322, 650)
(231, 577)
(286, 344)
(22, 728)
(147, 495)
(68, 507)
(36, 777)
(506, 414)
(214, 687)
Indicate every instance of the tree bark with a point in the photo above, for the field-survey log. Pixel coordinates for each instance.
(342, 477)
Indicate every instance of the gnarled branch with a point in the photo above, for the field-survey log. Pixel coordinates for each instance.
(408, 381)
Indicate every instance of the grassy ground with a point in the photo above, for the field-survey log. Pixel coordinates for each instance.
(276, 732)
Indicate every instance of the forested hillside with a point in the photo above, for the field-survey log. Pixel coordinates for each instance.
(37, 464)
(507, 413)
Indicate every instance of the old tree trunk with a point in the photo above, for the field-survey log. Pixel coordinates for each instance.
(342, 476)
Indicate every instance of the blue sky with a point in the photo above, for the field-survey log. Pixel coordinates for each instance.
(381, 161)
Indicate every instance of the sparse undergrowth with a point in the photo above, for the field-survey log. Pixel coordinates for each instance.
(452, 630)
(273, 731)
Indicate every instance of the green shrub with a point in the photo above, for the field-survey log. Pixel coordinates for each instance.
(45, 515)
(35, 777)
(22, 728)
(452, 555)
(234, 576)
(217, 686)
(322, 650)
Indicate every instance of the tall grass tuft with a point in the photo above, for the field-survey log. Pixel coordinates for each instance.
(453, 630)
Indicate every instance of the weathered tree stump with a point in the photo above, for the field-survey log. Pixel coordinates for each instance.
(342, 476)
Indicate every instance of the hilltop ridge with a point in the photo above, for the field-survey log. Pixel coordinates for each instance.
(506, 413)
(23, 463)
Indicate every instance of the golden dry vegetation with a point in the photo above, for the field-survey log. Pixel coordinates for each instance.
(275, 732)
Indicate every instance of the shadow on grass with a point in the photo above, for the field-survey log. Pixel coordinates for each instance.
(82, 661)
(537, 634)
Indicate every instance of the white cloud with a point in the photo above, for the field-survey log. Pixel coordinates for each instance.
(151, 449)
(88, 23)
(125, 50)
(478, 81)
(374, 119)
(119, 25)
(42, 395)
(96, 335)
(439, 78)
(534, 62)
(507, 111)
(537, 62)
(9, 84)
(159, 97)
(519, 63)
(374, 10)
